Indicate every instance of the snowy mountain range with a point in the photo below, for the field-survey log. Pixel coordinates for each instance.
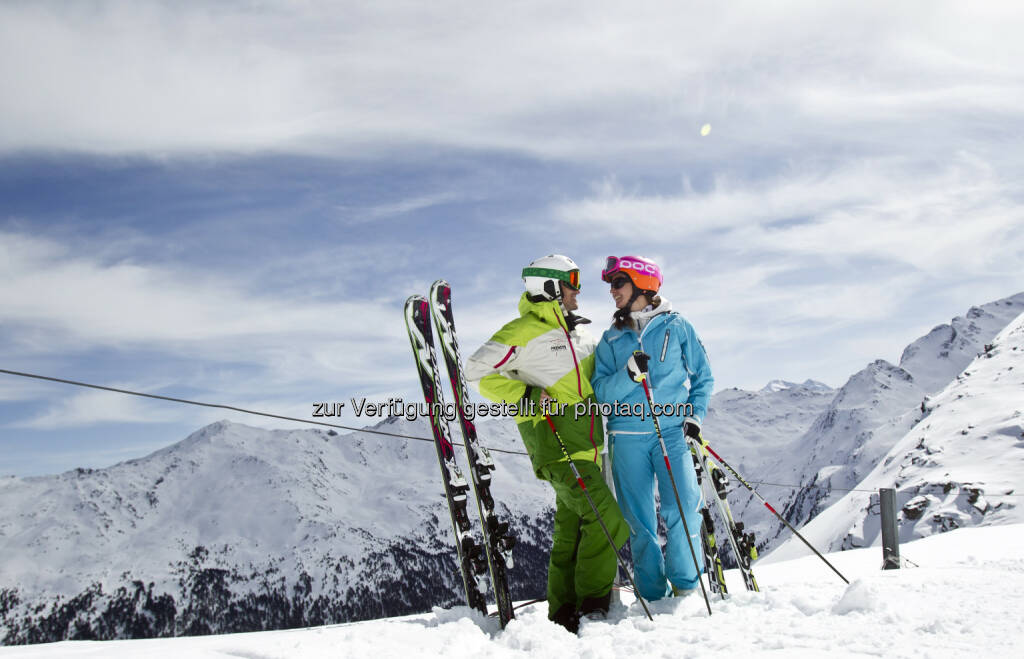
(237, 528)
(852, 431)
(960, 465)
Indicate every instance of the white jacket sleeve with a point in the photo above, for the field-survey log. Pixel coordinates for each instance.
(490, 358)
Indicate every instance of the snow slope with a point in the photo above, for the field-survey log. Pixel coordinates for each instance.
(870, 413)
(822, 442)
(245, 528)
(962, 464)
(956, 603)
(752, 425)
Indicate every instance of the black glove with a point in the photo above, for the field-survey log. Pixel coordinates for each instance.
(524, 402)
(691, 428)
(637, 365)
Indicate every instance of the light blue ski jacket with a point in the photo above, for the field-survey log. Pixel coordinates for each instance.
(677, 357)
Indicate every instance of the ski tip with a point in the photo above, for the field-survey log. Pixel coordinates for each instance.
(414, 300)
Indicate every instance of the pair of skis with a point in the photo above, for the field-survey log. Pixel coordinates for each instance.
(741, 542)
(494, 554)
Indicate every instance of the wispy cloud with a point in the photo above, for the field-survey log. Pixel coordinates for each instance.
(216, 338)
(594, 78)
(817, 256)
(962, 215)
(128, 303)
(88, 408)
(397, 208)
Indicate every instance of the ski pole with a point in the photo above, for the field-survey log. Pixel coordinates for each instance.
(769, 507)
(583, 486)
(716, 482)
(675, 490)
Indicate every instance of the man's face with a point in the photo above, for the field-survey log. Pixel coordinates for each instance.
(569, 297)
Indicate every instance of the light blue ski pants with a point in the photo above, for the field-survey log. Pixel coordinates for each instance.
(638, 466)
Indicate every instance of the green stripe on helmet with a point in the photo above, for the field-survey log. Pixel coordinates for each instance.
(550, 273)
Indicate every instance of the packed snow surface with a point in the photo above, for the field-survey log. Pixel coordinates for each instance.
(960, 597)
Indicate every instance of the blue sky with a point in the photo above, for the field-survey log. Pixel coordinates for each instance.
(232, 202)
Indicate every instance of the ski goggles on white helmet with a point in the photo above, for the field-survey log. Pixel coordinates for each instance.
(570, 277)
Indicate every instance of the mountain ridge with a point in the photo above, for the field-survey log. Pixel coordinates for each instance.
(958, 465)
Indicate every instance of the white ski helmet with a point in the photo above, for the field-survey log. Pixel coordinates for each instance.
(542, 276)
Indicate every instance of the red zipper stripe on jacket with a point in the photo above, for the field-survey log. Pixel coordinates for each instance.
(592, 442)
(579, 377)
(506, 357)
(579, 385)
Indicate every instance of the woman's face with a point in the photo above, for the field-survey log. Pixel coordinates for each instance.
(624, 291)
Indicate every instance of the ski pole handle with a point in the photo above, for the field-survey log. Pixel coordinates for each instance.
(636, 367)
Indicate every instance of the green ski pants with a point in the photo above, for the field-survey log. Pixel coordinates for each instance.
(583, 563)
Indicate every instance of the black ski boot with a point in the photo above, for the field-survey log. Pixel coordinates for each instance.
(568, 617)
(596, 608)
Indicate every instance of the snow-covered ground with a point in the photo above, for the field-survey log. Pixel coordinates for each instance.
(962, 598)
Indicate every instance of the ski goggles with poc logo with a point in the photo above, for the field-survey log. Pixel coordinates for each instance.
(643, 272)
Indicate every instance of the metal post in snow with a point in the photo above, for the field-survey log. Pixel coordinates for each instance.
(890, 529)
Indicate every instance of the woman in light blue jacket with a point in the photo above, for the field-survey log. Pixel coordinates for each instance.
(679, 377)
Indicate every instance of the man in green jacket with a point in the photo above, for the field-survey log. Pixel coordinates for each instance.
(545, 357)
